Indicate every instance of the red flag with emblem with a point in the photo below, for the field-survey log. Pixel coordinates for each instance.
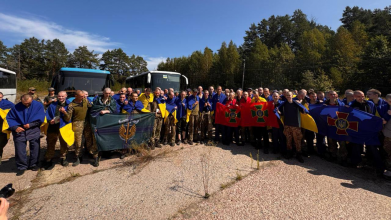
(228, 115)
(259, 115)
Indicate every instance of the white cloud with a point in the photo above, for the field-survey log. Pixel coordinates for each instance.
(41, 29)
(153, 61)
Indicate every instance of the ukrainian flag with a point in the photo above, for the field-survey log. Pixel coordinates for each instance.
(66, 130)
(5, 107)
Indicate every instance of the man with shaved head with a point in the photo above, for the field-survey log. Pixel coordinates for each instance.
(122, 91)
(53, 116)
(77, 112)
(24, 120)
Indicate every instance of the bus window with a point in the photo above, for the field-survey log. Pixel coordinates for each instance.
(166, 81)
(7, 80)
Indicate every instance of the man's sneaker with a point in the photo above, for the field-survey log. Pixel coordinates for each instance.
(34, 168)
(157, 144)
(387, 174)
(48, 165)
(299, 158)
(64, 162)
(165, 143)
(172, 144)
(178, 142)
(184, 141)
(190, 143)
(77, 162)
(201, 142)
(96, 162)
(20, 172)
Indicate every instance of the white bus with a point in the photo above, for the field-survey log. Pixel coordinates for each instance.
(162, 79)
(8, 84)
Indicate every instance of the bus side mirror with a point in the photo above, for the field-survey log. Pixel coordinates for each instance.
(149, 78)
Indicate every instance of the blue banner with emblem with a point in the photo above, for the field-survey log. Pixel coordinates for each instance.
(347, 124)
(122, 131)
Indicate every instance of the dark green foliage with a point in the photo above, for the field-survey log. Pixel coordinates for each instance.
(291, 51)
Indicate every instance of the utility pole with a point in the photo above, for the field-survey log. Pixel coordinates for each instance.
(244, 67)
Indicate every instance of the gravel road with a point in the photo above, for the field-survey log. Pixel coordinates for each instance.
(171, 186)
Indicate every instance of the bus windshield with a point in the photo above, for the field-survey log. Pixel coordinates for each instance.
(93, 83)
(165, 81)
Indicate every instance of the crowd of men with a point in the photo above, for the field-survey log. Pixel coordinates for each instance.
(194, 123)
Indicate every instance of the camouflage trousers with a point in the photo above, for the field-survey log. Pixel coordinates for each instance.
(169, 132)
(342, 152)
(157, 127)
(206, 126)
(194, 125)
(89, 138)
(387, 149)
(52, 136)
(3, 142)
(295, 134)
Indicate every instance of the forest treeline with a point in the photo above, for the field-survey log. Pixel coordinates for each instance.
(41, 59)
(292, 51)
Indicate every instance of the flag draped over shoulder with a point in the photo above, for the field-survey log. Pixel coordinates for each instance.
(145, 100)
(347, 124)
(170, 107)
(122, 131)
(259, 114)
(228, 115)
(306, 121)
(18, 116)
(5, 107)
(66, 130)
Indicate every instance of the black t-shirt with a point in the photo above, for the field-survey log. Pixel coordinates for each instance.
(291, 114)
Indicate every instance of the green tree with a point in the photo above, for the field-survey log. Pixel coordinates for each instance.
(83, 58)
(32, 59)
(3, 55)
(117, 62)
(56, 56)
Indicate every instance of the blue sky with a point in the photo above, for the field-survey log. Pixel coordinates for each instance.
(154, 29)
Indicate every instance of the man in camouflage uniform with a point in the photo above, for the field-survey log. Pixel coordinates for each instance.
(169, 122)
(206, 119)
(51, 97)
(87, 140)
(193, 105)
(77, 112)
(157, 126)
(32, 93)
(53, 134)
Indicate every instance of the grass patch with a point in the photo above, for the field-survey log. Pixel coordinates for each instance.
(72, 177)
(238, 176)
(40, 85)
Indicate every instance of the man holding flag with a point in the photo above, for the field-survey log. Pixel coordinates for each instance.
(56, 121)
(219, 97)
(181, 103)
(260, 132)
(194, 108)
(24, 120)
(5, 107)
(170, 120)
(292, 124)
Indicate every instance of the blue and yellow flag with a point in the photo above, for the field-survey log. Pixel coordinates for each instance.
(170, 108)
(145, 100)
(306, 121)
(66, 130)
(5, 107)
(18, 116)
(348, 124)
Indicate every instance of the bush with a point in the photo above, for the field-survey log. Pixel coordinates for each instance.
(40, 85)
(117, 86)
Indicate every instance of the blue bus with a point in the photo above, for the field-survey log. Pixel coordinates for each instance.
(91, 80)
